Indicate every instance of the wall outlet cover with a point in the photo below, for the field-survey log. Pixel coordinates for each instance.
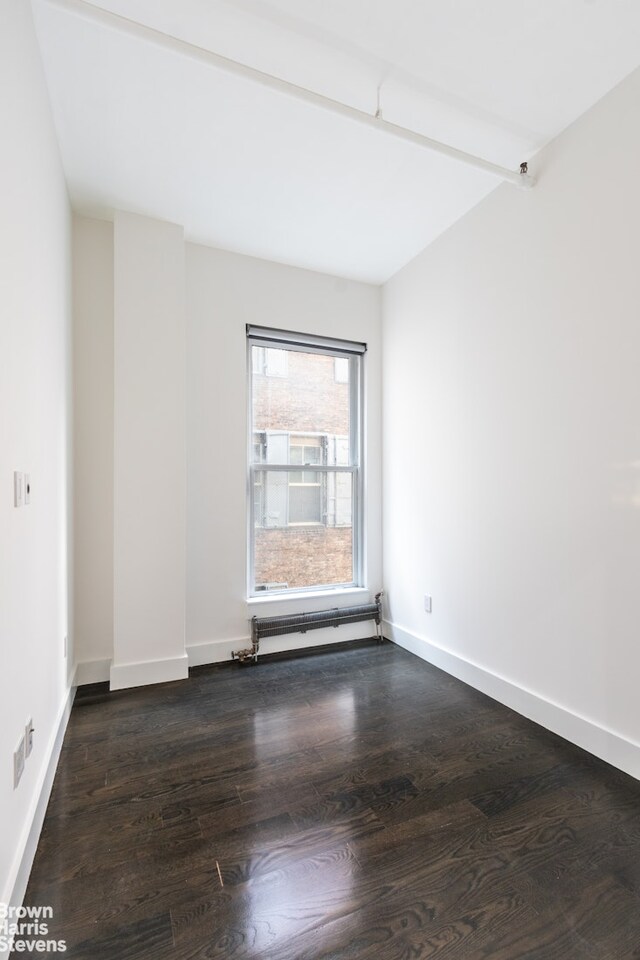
(427, 603)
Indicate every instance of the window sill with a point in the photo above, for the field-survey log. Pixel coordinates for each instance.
(310, 595)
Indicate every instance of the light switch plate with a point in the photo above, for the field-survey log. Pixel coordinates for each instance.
(18, 489)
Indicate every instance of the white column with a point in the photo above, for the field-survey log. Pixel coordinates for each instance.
(149, 452)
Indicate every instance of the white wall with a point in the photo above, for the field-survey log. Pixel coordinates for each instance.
(149, 487)
(35, 384)
(93, 444)
(226, 291)
(512, 439)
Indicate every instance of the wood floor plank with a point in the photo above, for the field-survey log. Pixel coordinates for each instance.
(359, 805)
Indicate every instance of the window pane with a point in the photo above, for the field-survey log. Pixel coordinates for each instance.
(303, 533)
(305, 503)
(296, 413)
(306, 449)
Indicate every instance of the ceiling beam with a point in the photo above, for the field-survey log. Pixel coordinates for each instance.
(140, 31)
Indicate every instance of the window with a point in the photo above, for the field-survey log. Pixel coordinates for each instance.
(305, 462)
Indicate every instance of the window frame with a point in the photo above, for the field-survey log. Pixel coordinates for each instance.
(355, 354)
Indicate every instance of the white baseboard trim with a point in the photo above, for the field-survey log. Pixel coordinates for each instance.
(211, 651)
(215, 651)
(18, 879)
(125, 675)
(591, 736)
(92, 671)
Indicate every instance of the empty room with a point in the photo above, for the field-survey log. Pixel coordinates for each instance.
(319, 479)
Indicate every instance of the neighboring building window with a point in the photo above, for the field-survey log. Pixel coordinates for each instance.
(305, 486)
(341, 369)
(305, 467)
(270, 362)
(259, 447)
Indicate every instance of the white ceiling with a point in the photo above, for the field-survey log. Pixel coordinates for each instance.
(241, 167)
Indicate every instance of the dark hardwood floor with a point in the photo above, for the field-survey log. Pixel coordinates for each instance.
(358, 805)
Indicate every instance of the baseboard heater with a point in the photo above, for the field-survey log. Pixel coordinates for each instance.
(262, 627)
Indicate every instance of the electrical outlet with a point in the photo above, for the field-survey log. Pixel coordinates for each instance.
(18, 763)
(27, 488)
(18, 488)
(28, 737)
(427, 603)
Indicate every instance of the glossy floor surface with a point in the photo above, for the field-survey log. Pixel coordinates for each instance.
(358, 805)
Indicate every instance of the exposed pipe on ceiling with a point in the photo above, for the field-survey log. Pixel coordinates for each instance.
(376, 121)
